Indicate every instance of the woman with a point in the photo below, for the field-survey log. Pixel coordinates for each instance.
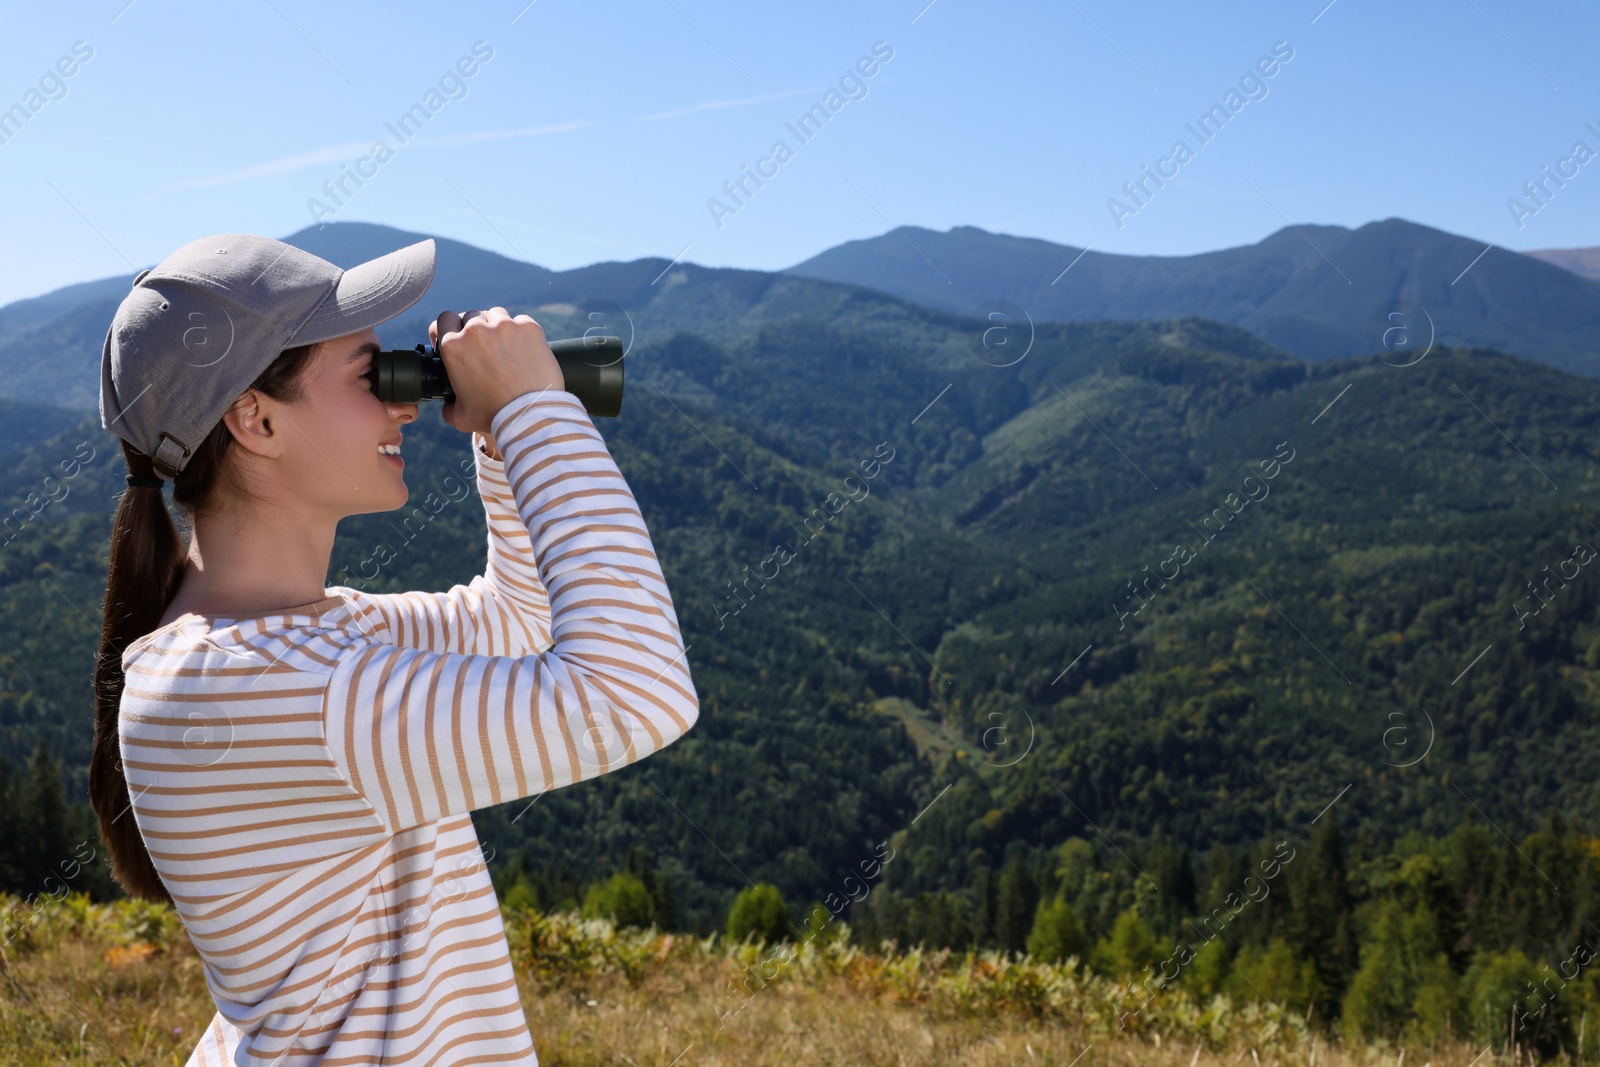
(301, 763)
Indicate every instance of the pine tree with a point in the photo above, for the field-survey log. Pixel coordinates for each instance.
(1470, 866)
(666, 903)
(988, 904)
(1018, 898)
(1379, 999)
(1130, 951)
(1270, 970)
(657, 883)
(1057, 933)
(10, 866)
(1322, 928)
(1438, 1011)
(88, 868)
(41, 823)
(1172, 868)
(1206, 974)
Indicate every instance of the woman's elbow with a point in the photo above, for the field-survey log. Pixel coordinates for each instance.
(686, 711)
(671, 704)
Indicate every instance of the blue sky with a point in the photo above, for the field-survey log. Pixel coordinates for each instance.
(600, 131)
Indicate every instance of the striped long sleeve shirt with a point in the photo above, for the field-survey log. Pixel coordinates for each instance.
(304, 779)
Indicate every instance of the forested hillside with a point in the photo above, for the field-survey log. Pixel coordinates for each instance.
(1156, 587)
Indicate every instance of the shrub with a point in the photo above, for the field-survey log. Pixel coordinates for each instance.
(521, 896)
(759, 912)
(622, 898)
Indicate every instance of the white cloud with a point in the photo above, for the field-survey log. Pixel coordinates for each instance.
(350, 150)
(331, 154)
(500, 135)
(718, 105)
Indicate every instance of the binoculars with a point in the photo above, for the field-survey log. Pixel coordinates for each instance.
(591, 369)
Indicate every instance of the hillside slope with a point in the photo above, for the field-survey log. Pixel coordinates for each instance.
(986, 580)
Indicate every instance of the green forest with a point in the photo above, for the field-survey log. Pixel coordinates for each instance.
(1117, 624)
(1415, 942)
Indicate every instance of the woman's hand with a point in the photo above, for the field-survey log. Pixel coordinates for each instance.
(491, 359)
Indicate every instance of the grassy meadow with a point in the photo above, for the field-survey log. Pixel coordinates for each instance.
(119, 983)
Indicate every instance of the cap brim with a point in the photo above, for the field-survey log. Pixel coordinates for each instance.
(370, 293)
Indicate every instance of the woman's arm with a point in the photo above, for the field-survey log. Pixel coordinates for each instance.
(503, 612)
(423, 735)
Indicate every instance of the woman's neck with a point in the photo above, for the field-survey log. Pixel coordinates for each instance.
(250, 568)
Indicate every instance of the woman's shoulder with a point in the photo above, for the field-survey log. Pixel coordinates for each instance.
(305, 637)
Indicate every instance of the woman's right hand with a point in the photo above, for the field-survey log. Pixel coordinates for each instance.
(491, 359)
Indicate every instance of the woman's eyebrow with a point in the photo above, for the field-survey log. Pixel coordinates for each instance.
(371, 348)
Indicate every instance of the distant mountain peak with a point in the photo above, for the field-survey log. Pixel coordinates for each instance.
(346, 244)
(352, 227)
(1310, 288)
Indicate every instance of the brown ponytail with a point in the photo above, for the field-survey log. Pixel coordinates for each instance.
(145, 567)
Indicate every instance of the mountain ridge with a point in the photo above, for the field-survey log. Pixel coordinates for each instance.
(1289, 289)
(1317, 291)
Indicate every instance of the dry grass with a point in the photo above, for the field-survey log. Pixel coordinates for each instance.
(85, 984)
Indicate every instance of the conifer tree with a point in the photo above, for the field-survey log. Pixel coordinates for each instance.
(1322, 928)
(40, 822)
(1379, 998)
(10, 869)
(988, 904)
(657, 883)
(1018, 899)
(1057, 933)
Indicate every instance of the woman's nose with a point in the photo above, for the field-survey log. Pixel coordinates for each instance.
(408, 412)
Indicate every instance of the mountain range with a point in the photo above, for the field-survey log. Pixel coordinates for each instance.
(1318, 292)
(1145, 578)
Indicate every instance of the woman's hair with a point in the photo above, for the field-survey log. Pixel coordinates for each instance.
(146, 564)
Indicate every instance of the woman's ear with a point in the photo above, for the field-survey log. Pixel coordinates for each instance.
(251, 425)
